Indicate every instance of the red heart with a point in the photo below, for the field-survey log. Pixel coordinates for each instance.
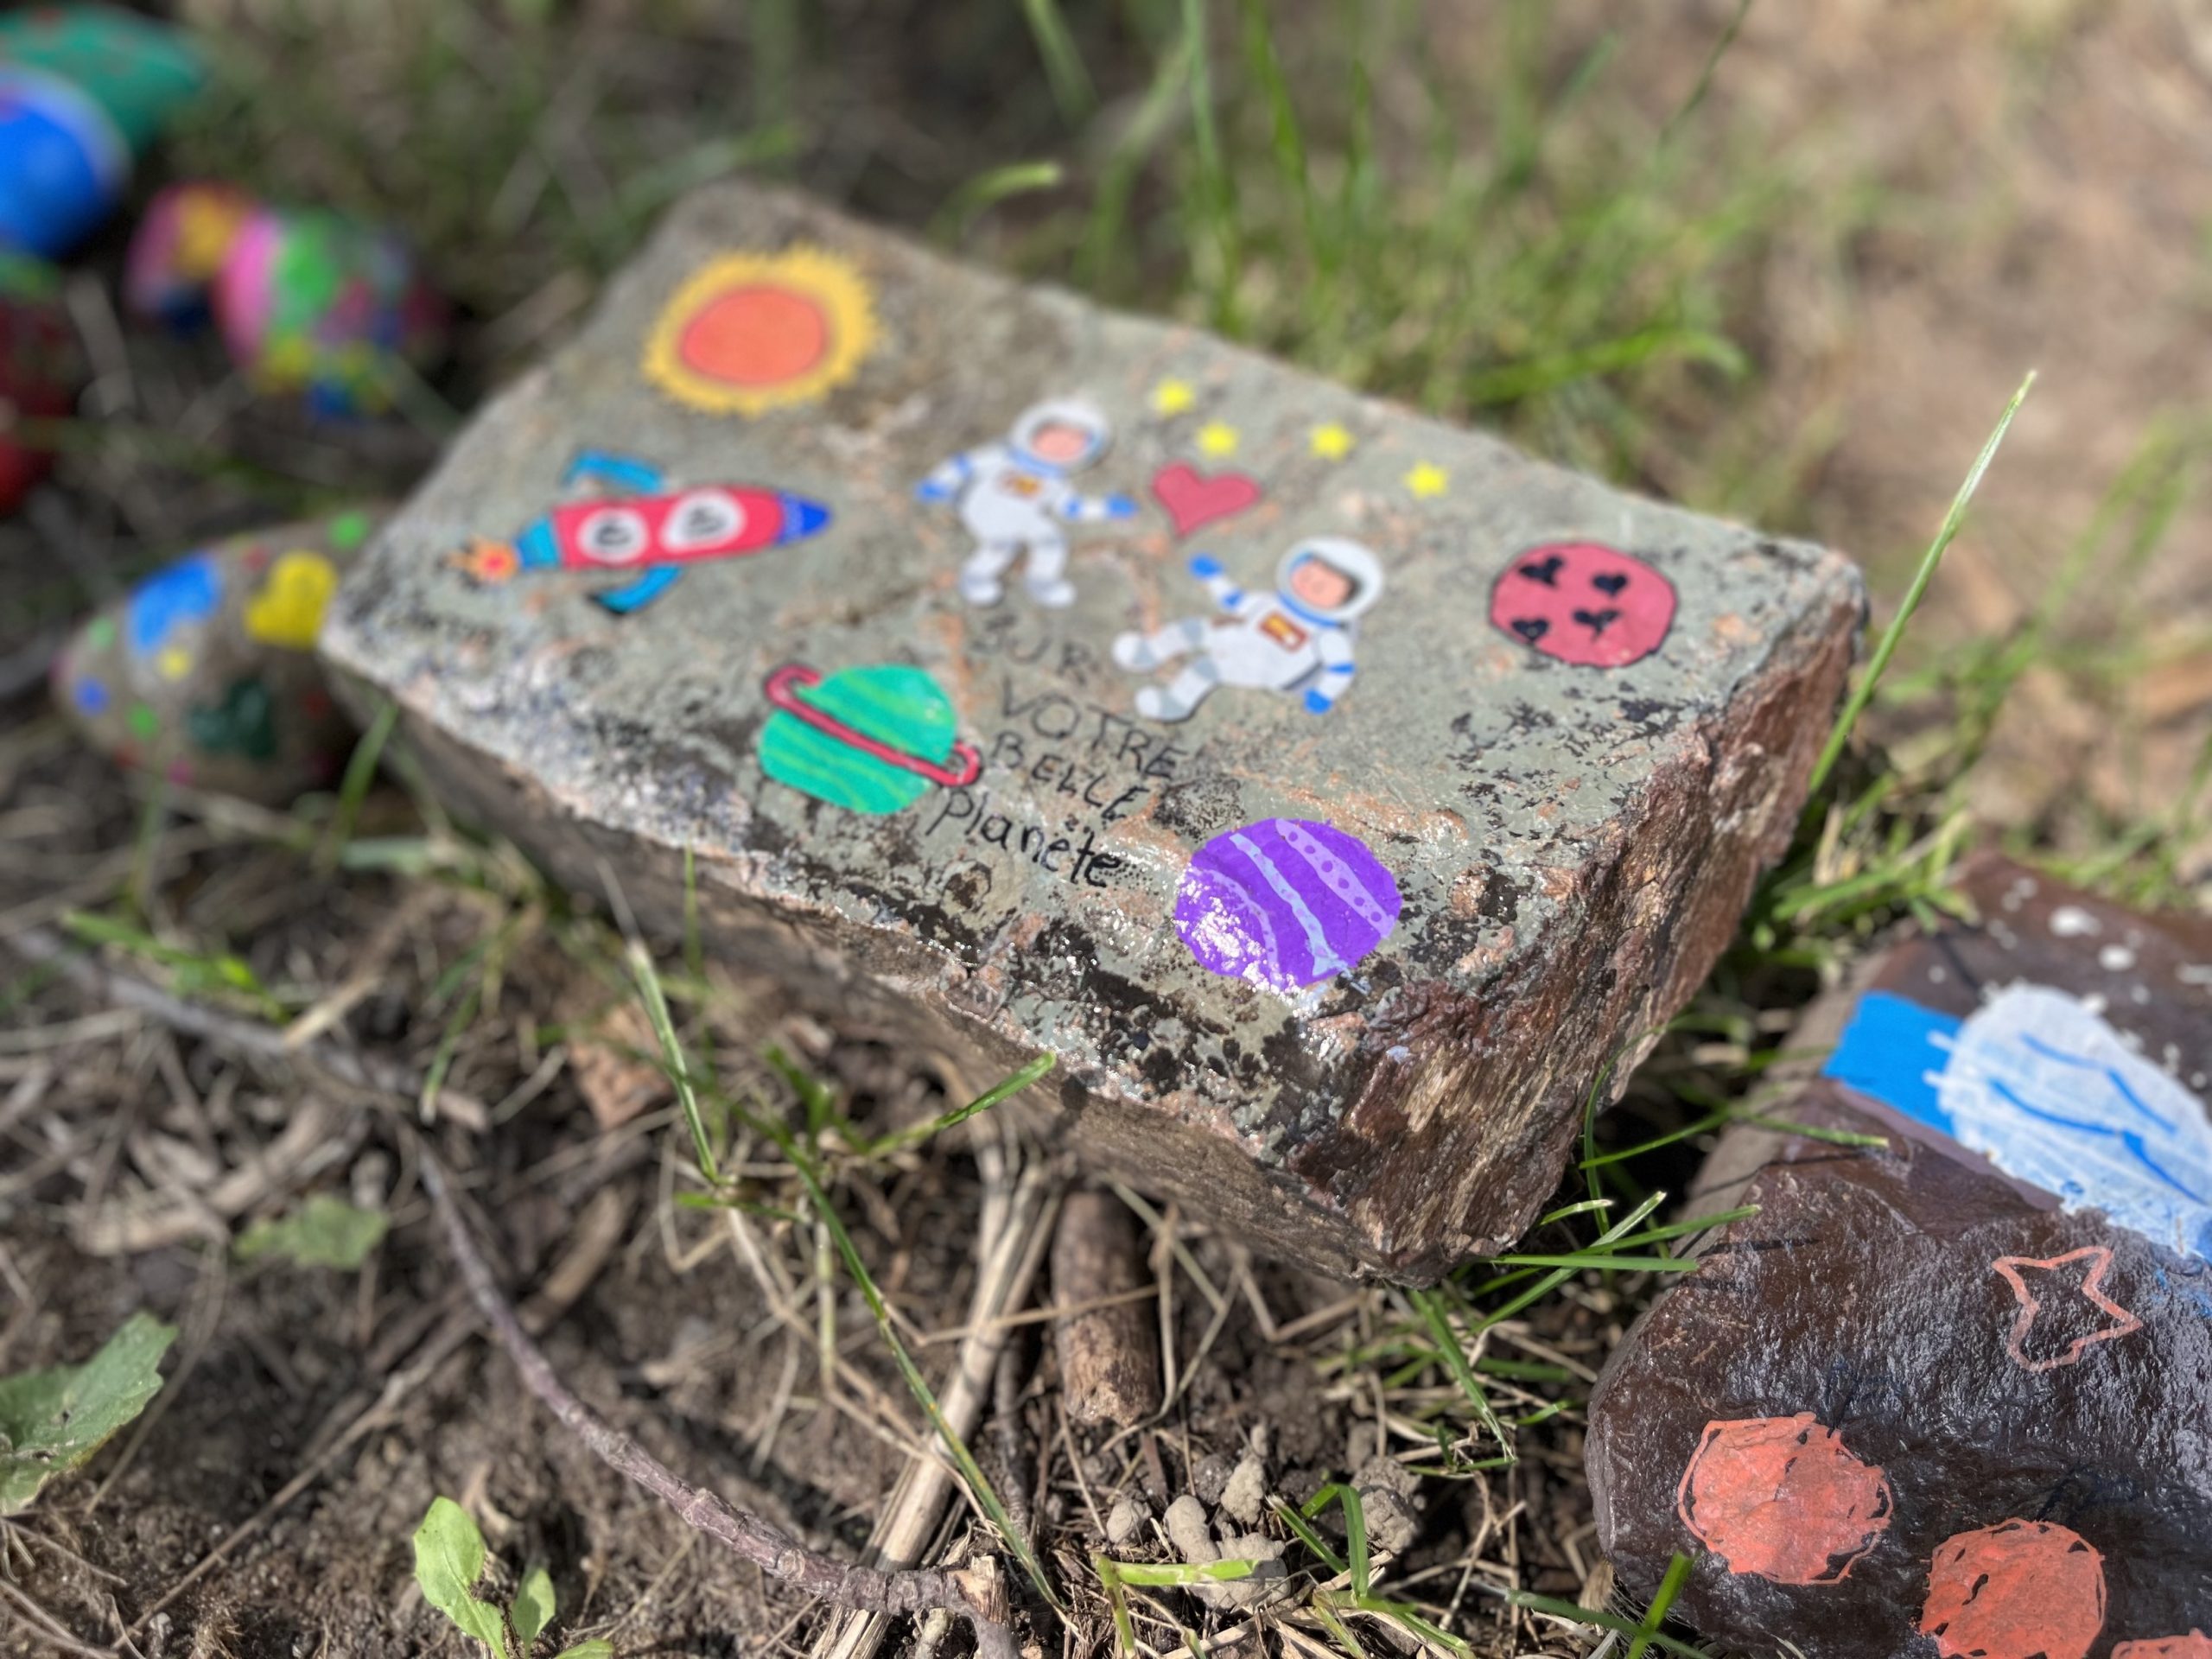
(1192, 498)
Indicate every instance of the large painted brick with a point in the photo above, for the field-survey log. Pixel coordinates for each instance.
(1333, 792)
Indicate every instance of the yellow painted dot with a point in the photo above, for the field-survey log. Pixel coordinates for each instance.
(1427, 480)
(1331, 442)
(173, 663)
(1173, 396)
(1216, 439)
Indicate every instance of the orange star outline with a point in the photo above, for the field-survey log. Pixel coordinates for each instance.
(2100, 1257)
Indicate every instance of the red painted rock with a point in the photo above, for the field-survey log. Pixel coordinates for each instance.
(40, 369)
(1949, 1394)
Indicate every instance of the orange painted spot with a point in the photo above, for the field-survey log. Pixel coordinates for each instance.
(2018, 1590)
(1783, 1498)
(2194, 1645)
(756, 336)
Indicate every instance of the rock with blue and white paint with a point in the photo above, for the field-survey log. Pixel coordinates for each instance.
(204, 673)
(1950, 1388)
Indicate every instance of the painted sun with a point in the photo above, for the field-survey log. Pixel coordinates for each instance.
(749, 333)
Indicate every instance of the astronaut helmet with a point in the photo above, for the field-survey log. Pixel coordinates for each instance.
(1330, 578)
(1065, 434)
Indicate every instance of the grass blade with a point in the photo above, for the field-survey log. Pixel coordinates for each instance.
(1893, 635)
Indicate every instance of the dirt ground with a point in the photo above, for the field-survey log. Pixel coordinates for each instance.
(1987, 187)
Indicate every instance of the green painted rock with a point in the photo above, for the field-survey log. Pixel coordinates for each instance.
(205, 672)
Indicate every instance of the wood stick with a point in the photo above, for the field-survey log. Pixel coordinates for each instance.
(972, 1593)
(1109, 1355)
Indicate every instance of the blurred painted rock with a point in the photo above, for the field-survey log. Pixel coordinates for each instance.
(1950, 1396)
(1334, 792)
(205, 673)
(41, 369)
(310, 303)
(83, 89)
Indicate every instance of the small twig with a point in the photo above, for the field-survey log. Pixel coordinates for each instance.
(971, 1593)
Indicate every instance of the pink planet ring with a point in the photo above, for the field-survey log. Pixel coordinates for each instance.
(782, 689)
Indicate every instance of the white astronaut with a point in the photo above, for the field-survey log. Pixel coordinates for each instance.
(1014, 496)
(1299, 637)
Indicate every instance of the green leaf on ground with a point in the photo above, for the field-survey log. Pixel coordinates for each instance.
(598, 1648)
(533, 1608)
(323, 1232)
(449, 1560)
(51, 1421)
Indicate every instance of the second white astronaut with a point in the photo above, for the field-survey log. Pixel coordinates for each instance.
(1298, 638)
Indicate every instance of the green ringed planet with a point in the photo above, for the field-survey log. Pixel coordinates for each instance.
(871, 739)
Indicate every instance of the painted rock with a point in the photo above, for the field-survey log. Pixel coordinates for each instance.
(83, 88)
(205, 672)
(178, 250)
(961, 631)
(311, 303)
(1948, 1396)
(41, 369)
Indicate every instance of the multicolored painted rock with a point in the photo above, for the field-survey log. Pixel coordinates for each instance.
(40, 369)
(311, 303)
(205, 672)
(1946, 1395)
(1284, 903)
(871, 739)
(82, 89)
(307, 301)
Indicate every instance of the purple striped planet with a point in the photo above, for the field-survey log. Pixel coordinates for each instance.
(1284, 902)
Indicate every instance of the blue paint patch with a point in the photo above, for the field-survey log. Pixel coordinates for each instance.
(1893, 1051)
(187, 592)
(92, 697)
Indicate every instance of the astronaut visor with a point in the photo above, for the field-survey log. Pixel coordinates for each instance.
(1320, 586)
(613, 536)
(703, 519)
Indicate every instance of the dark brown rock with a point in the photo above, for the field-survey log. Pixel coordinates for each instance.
(1922, 1402)
(963, 709)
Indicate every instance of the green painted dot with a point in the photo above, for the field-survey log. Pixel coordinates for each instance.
(99, 635)
(348, 531)
(143, 722)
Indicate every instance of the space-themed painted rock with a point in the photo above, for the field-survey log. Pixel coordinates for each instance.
(42, 366)
(1010, 618)
(1948, 1396)
(205, 673)
(83, 89)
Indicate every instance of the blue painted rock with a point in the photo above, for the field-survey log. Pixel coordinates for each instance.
(204, 673)
(82, 89)
(1946, 1394)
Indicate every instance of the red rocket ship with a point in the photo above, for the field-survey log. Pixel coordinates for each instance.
(654, 533)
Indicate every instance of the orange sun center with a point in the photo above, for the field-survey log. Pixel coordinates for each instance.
(756, 336)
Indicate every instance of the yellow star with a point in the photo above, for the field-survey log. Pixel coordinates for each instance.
(174, 663)
(1331, 442)
(1215, 439)
(1173, 396)
(1427, 480)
